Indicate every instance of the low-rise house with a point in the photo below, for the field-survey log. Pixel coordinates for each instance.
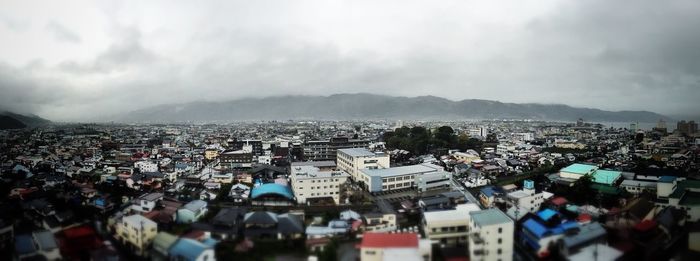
(191, 211)
(400, 246)
(187, 249)
(239, 193)
(146, 202)
(41, 244)
(136, 232)
(380, 222)
(262, 224)
(334, 227)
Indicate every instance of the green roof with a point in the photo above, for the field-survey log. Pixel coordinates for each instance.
(690, 198)
(490, 216)
(577, 168)
(605, 189)
(683, 185)
(606, 176)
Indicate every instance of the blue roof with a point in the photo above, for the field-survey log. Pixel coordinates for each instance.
(546, 214)
(187, 249)
(569, 225)
(667, 179)
(272, 188)
(24, 244)
(535, 227)
(488, 191)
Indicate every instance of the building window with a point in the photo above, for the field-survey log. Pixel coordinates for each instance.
(499, 251)
(500, 230)
(500, 241)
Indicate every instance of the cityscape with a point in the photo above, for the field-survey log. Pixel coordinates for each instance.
(349, 130)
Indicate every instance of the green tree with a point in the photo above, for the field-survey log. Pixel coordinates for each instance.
(582, 190)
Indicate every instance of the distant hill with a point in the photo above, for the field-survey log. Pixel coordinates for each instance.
(10, 120)
(369, 106)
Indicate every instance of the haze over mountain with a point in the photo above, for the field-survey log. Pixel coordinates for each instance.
(11, 120)
(369, 106)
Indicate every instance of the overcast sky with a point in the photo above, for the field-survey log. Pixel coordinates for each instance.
(73, 60)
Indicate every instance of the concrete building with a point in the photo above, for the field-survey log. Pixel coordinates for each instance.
(422, 177)
(327, 149)
(492, 235)
(309, 183)
(528, 198)
(236, 159)
(355, 159)
(136, 232)
(448, 227)
(575, 171)
(146, 166)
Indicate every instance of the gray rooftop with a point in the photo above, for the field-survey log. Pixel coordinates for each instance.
(320, 164)
(398, 171)
(311, 172)
(360, 152)
(490, 217)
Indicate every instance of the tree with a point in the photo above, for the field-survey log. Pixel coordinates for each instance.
(445, 137)
(582, 190)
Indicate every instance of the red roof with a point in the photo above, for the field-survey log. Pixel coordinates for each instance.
(79, 232)
(645, 225)
(385, 240)
(559, 201)
(584, 218)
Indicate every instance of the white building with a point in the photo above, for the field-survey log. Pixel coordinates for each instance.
(466, 157)
(309, 182)
(146, 166)
(397, 246)
(528, 198)
(491, 235)
(423, 177)
(448, 227)
(355, 159)
(137, 232)
(146, 202)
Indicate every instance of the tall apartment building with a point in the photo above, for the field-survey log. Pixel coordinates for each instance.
(352, 160)
(236, 159)
(137, 232)
(491, 235)
(256, 146)
(309, 182)
(327, 149)
(687, 128)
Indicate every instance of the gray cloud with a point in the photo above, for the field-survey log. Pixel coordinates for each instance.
(619, 55)
(61, 33)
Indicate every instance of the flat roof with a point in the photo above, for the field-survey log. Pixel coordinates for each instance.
(460, 213)
(360, 152)
(579, 168)
(606, 176)
(489, 217)
(311, 172)
(398, 171)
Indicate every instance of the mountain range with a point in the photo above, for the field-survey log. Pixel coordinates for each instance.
(370, 106)
(10, 120)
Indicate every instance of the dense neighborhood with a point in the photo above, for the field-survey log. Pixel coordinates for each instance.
(351, 190)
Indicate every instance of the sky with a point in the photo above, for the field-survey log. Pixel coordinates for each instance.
(77, 60)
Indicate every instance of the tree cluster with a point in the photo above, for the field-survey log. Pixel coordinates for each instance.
(419, 140)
